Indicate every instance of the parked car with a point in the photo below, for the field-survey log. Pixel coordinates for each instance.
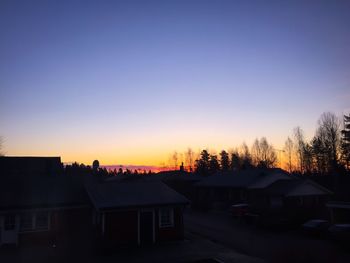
(316, 227)
(340, 232)
(239, 210)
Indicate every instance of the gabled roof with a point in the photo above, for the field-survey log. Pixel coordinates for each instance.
(296, 188)
(271, 177)
(19, 192)
(251, 178)
(134, 193)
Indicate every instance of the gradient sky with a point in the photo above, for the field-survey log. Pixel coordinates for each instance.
(129, 82)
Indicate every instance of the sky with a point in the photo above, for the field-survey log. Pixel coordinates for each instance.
(128, 82)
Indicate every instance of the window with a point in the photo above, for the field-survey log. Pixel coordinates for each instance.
(30, 221)
(10, 222)
(166, 217)
(26, 222)
(42, 220)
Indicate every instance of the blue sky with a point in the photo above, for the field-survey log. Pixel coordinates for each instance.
(129, 82)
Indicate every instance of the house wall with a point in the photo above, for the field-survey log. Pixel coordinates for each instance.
(340, 215)
(219, 197)
(121, 227)
(296, 209)
(64, 225)
(175, 232)
(9, 236)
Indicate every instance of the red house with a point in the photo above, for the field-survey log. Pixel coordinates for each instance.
(40, 204)
(136, 212)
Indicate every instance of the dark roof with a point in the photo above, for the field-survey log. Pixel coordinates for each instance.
(184, 177)
(254, 178)
(295, 188)
(19, 165)
(18, 192)
(133, 193)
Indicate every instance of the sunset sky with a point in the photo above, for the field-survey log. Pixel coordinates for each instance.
(128, 82)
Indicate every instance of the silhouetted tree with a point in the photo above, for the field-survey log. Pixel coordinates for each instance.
(288, 150)
(224, 160)
(329, 127)
(307, 156)
(202, 164)
(175, 159)
(213, 164)
(1, 153)
(345, 141)
(95, 165)
(263, 153)
(245, 157)
(189, 159)
(235, 161)
(299, 146)
(319, 154)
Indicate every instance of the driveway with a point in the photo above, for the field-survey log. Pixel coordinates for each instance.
(194, 248)
(287, 246)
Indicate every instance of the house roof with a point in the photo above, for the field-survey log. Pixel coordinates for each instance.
(268, 178)
(20, 192)
(132, 193)
(184, 177)
(29, 165)
(251, 178)
(295, 188)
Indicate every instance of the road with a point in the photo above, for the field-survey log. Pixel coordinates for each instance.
(287, 246)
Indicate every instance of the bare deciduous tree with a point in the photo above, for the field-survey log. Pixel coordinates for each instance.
(189, 159)
(329, 127)
(299, 146)
(263, 153)
(288, 151)
(1, 141)
(175, 159)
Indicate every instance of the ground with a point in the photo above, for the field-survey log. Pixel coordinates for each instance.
(272, 246)
(210, 235)
(194, 248)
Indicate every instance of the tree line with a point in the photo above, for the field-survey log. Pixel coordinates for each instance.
(327, 152)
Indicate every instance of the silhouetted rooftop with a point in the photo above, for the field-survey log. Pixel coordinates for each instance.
(18, 192)
(250, 178)
(28, 165)
(296, 188)
(121, 194)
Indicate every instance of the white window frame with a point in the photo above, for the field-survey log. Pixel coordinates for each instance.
(34, 228)
(46, 227)
(28, 229)
(171, 215)
(11, 218)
